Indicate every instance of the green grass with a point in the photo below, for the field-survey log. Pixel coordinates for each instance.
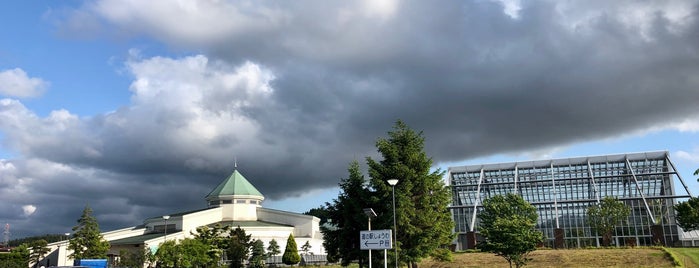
(688, 257)
(592, 257)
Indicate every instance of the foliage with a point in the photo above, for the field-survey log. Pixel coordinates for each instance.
(239, 245)
(508, 224)
(605, 216)
(194, 253)
(347, 218)
(167, 254)
(50, 238)
(273, 248)
(442, 255)
(38, 250)
(216, 238)
(188, 253)
(17, 258)
(306, 248)
(87, 242)
(257, 257)
(291, 253)
(688, 214)
(423, 221)
(133, 258)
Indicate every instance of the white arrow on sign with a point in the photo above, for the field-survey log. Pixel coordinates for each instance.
(375, 239)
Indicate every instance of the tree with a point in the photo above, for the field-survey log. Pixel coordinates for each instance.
(306, 248)
(217, 240)
(273, 248)
(133, 258)
(605, 216)
(38, 250)
(17, 258)
(239, 245)
(508, 224)
(87, 242)
(347, 218)
(168, 254)
(688, 214)
(291, 253)
(193, 253)
(257, 257)
(423, 220)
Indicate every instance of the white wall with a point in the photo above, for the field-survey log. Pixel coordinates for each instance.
(304, 225)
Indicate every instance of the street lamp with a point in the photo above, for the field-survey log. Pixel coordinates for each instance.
(65, 258)
(393, 183)
(370, 214)
(166, 217)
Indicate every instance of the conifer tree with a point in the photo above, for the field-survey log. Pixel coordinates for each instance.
(273, 248)
(347, 217)
(291, 253)
(87, 242)
(257, 257)
(424, 222)
(306, 248)
(238, 247)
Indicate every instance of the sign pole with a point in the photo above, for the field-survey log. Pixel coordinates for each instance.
(385, 259)
(369, 249)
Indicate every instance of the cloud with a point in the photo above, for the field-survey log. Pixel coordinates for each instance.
(295, 90)
(691, 157)
(16, 83)
(28, 210)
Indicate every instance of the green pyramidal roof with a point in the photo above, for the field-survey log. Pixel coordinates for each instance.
(235, 184)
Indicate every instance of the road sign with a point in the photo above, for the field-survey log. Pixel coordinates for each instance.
(375, 239)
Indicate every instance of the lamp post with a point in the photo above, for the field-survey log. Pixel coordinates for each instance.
(369, 214)
(65, 258)
(393, 183)
(166, 217)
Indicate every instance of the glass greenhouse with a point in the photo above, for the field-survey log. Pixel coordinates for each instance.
(563, 189)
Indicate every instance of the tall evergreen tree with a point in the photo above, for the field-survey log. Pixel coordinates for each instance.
(257, 257)
(423, 220)
(341, 240)
(87, 242)
(291, 253)
(238, 247)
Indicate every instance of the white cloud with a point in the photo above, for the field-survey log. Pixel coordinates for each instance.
(511, 7)
(691, 157)
(28, 210)
(16, 83)
(688, 125)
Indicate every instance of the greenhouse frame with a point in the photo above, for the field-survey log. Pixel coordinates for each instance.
(563, 189)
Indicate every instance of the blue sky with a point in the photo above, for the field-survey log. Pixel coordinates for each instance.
(139, 108)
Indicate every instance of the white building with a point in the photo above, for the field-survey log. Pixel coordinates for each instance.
(234, 202)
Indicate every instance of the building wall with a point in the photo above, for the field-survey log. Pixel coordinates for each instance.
(304, 225)
(190, 222)
(563, 189)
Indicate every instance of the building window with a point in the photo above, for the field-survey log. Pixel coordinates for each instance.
(240, 201)
(227, 201)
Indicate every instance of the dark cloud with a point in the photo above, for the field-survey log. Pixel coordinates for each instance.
(309, 87)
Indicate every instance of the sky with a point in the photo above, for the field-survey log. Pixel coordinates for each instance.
(140, 108)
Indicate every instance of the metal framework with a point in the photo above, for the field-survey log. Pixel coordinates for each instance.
(563, 189)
